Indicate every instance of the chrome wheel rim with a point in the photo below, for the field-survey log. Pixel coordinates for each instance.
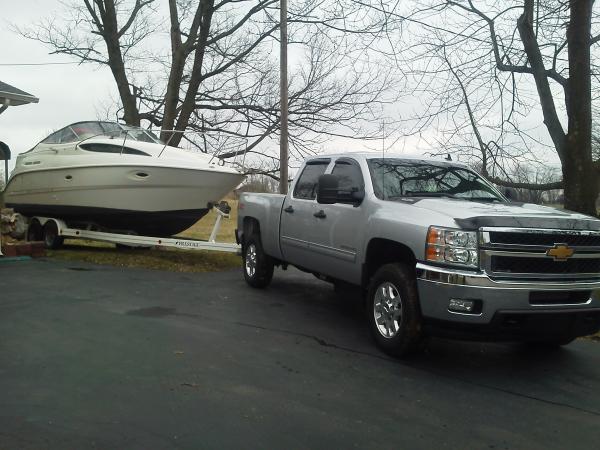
(387, 310)
(250, 263)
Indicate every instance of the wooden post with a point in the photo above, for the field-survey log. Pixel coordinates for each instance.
(283, 92)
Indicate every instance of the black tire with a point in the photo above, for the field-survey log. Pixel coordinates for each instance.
(34, 231)
(257, 265)
(52, 240)
(392, 295)
(551, 344)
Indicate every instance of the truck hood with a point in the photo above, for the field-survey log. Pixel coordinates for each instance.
(473, 214)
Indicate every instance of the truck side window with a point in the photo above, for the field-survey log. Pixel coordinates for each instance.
(350, 178)
(306, 187)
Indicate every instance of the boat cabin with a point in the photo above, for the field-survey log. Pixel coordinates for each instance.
(80, 131)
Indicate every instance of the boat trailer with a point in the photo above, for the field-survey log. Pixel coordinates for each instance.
(53, 231)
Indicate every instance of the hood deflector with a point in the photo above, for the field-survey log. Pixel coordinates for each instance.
(474, 223)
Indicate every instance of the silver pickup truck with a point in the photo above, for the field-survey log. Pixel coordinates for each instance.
(436, 248)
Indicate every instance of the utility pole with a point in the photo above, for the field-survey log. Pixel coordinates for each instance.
(283, 100)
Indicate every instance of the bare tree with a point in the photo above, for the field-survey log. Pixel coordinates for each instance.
(259, 183)
(217, 76)
(492, 72)
(528, 175)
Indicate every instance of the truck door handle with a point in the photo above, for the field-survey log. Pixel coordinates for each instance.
(320, 215)
(289, 209)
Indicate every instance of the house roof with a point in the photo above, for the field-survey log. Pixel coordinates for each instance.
(4, 151)
(11, 96)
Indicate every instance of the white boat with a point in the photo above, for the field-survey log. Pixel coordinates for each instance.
(119, 178)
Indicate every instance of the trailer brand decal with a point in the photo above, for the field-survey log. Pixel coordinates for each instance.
(560, 252)
(189, 244)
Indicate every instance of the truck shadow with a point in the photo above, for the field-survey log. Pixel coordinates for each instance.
(493, 361)
(564, 377)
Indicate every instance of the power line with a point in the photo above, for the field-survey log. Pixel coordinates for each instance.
(38, 64)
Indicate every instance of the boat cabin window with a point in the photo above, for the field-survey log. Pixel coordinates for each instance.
(63, 136)
(139, 134)
(83, 130)
(111, 148)
(87, 129)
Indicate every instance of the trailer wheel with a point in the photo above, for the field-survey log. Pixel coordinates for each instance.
(393, 311)
(258, 266)
(34, 231)
(51, 238)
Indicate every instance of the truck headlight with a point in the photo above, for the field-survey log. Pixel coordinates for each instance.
(446, 245)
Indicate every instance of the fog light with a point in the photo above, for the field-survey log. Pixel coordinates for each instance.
(461, 305)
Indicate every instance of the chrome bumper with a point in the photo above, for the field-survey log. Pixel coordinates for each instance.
(479, 279)
(438, 285)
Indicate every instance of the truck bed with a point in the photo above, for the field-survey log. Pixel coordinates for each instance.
(266, 208)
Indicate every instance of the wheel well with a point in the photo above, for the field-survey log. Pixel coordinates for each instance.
(384, 251)
(250, 227)
(34, 223)
(34, 230)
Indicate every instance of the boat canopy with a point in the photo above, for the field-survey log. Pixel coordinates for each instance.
(84, 130)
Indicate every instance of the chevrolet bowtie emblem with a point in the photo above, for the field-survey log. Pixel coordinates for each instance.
(560, 252)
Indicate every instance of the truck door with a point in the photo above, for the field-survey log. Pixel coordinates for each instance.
(297, 228)
(338, 229)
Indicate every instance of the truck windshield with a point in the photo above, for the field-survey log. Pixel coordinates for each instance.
(397, 178)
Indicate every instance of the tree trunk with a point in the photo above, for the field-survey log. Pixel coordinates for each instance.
(579, 176)
(536, 61)
(178, 56)
(178, 112)
(189, 102)
(131, 115)
(111, 37)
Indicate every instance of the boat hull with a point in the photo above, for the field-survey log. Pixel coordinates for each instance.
(156, 223)
(146, 199)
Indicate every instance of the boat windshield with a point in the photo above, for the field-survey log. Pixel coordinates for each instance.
(84, 130)
(399, 178)
(140, 134)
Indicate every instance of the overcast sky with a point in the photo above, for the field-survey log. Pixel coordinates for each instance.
(67, 93)
(72, 92)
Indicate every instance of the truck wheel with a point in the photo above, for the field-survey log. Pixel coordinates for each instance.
(51, 238)
(258, 266)
(393, 310)
(551, 344)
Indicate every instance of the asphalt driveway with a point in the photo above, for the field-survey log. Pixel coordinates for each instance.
(101, 357)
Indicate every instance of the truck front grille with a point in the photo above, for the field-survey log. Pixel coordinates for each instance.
(531, 254)
(549, 239)
(521, 265)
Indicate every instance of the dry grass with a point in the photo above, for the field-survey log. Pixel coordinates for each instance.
(202, 229)
(164, 259)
